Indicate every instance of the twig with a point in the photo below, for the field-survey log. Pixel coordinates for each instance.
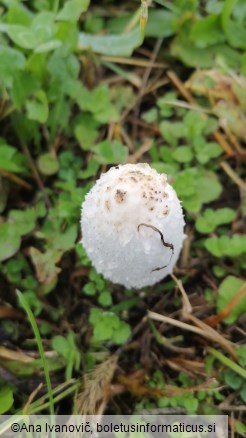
(21, 182)
(187, 308)
(139, 152)
(132, 61)
(235, 178)
(161, 318)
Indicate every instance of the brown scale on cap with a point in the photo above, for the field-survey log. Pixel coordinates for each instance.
(107, 205)
(166, 211)
(120, 196)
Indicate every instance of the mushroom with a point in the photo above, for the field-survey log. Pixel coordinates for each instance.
(132, 225)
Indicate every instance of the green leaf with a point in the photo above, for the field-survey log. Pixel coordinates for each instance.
(206, 151)
(61, 346)
(207, 31)
(72, 10)
(25, 220)
(183, 154)
(24, 85)
(11, 61)
(9, 240)
(235, 30)
(48, 46)
(211, 219)
(196, 187)
(160, 23)
(98, 102)
(172, 131)
(226, 246)
(199, 57)
(22, 36)
(105, 298)
(11, 160)
(227, 290)
(232, 379)
(43, 27)
(122, 333)
(90, 170)
(17, 14)
(86, 131)
(6, 399)
(110, 152)
(113, 45)
(89, 289)
(37, 109)
(48, 164)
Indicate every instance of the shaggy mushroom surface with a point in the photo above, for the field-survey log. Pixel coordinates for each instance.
(132, 225)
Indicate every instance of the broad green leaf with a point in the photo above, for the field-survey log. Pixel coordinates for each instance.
(206, 151)
(11, 61)
(196, 187)
(225, 246)
(37, 109)
(90, 289)
(48, 164)
(11, 160)
(65, 240)
(24, 221)
(68, 34)
(61, 346)
(24, 85)
(48, 46)
(227, 290)
(43, 27)
(105, 298)
(6, 399)
(167, 168)
(72, 10)
(113, 45)
(110, 152)
(211, 219)
(98, 102)
(183, 154)
(234, 30)
(22, 36)
(17, 14)
(199, 57)
(121, 334)
(207, 31)
(41, 31)
(172, 131)
(9, 240)
(160, 23)
(232, 379)
(90, 170)
(86, 131)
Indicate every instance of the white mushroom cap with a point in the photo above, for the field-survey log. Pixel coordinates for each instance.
(132, 225)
